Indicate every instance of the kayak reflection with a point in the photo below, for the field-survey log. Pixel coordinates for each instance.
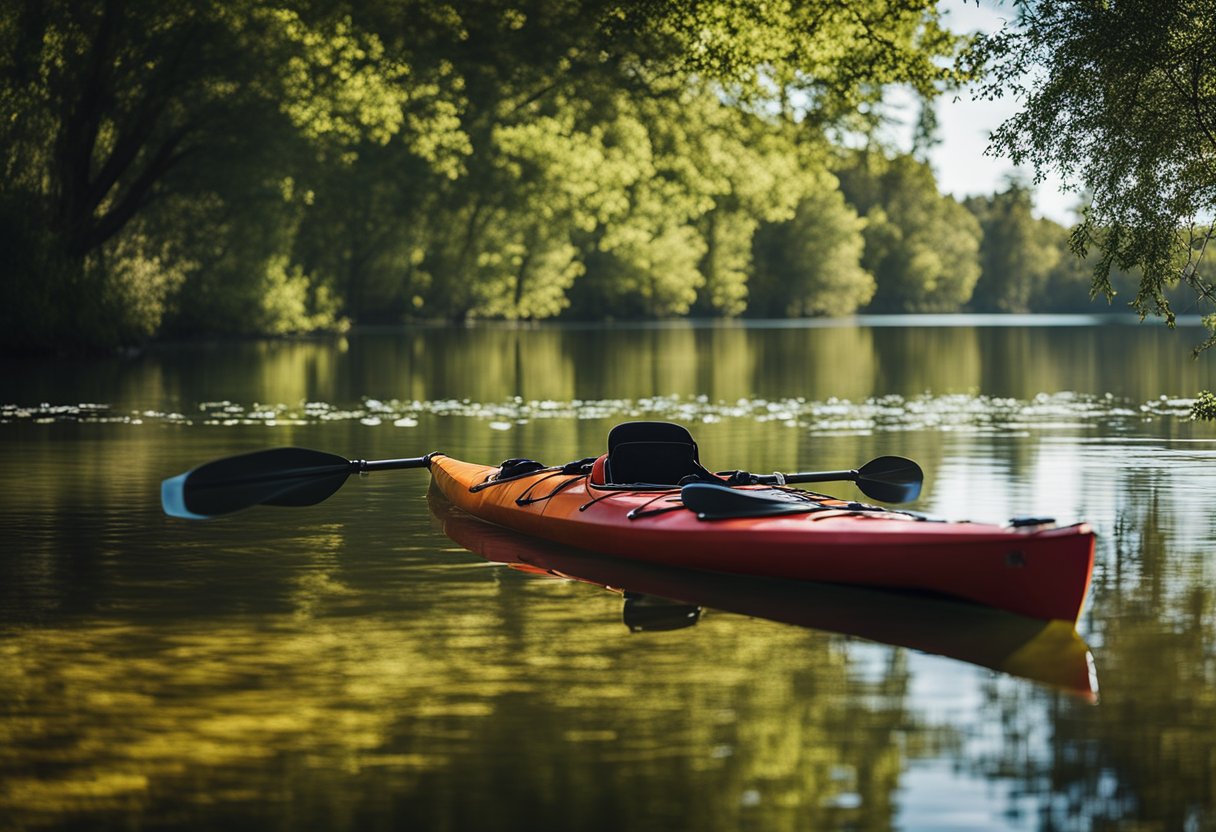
(667, 598)
(652, 613)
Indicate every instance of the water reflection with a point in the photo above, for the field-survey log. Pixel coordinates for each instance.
(350, 667)
(426, 707)
(723, 362)
(653, 614)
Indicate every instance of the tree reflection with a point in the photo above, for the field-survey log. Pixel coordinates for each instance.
(725, 362)
(1145, 756)
(443, 716)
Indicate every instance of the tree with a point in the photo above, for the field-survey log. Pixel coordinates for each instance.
(245, 167)
(1017, 251)
(921, 247)
(657, 149)
(1120, 98)
(118, 107)
(811, 264)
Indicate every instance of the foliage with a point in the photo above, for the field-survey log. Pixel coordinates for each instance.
(1017, 251)
(811, 264)
(241, 167)
(921, 247)
(145, 103)
(1121, 99)
(829, 62)
(1204, 406)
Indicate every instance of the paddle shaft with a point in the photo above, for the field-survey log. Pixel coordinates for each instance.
(361, 465)
(807, 476)
(302, 477)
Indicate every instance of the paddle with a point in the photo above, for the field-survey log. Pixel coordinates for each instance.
(303, 477)
(891, 479)
(713, 501)
(275, 477)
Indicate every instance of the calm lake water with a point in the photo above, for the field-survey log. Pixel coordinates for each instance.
(365, 664)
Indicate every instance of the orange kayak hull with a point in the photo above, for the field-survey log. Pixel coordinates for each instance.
(1037, 572)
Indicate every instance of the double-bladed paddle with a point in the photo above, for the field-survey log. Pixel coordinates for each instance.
(303, 477)
(274, 477)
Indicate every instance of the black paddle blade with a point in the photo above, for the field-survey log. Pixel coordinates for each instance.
(277, 477)
(711, 501)
(891, 479)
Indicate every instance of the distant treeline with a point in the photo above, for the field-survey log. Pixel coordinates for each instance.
(182, 169)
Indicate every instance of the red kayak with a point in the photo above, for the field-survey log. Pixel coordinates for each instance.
(630, 503)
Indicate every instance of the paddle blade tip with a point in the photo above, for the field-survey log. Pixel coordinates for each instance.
(173, 498)
(887, 492)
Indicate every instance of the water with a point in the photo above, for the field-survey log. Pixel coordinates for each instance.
(351, 666)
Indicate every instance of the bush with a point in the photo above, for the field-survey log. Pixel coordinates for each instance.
(1204, 406)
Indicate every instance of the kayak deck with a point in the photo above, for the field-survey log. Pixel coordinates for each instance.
(1032, 571)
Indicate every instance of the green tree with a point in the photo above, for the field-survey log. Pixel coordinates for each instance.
(822, 63)
(760, 171)
(1017, 251)
(241, 167)
(1120, 98)
(811, 264)
(707, 174)
(921, 247)
(1069, 285)
(116, 108)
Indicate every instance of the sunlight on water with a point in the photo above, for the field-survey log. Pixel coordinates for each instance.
(925, 412)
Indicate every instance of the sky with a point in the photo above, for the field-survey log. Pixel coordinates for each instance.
(960, 163)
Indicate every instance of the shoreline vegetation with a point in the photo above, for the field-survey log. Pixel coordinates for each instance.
(963, 318)
(246, 169)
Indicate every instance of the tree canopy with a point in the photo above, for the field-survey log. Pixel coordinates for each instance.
(251, 166)
(1120, 98)
(1017, 251)
(921, 247)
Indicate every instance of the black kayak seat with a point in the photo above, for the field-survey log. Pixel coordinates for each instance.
(652, 453)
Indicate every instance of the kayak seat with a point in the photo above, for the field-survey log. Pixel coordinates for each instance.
(652, 454)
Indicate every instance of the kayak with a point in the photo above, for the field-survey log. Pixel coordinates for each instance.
(1034, 569)
(650, 499)
(665, 598)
